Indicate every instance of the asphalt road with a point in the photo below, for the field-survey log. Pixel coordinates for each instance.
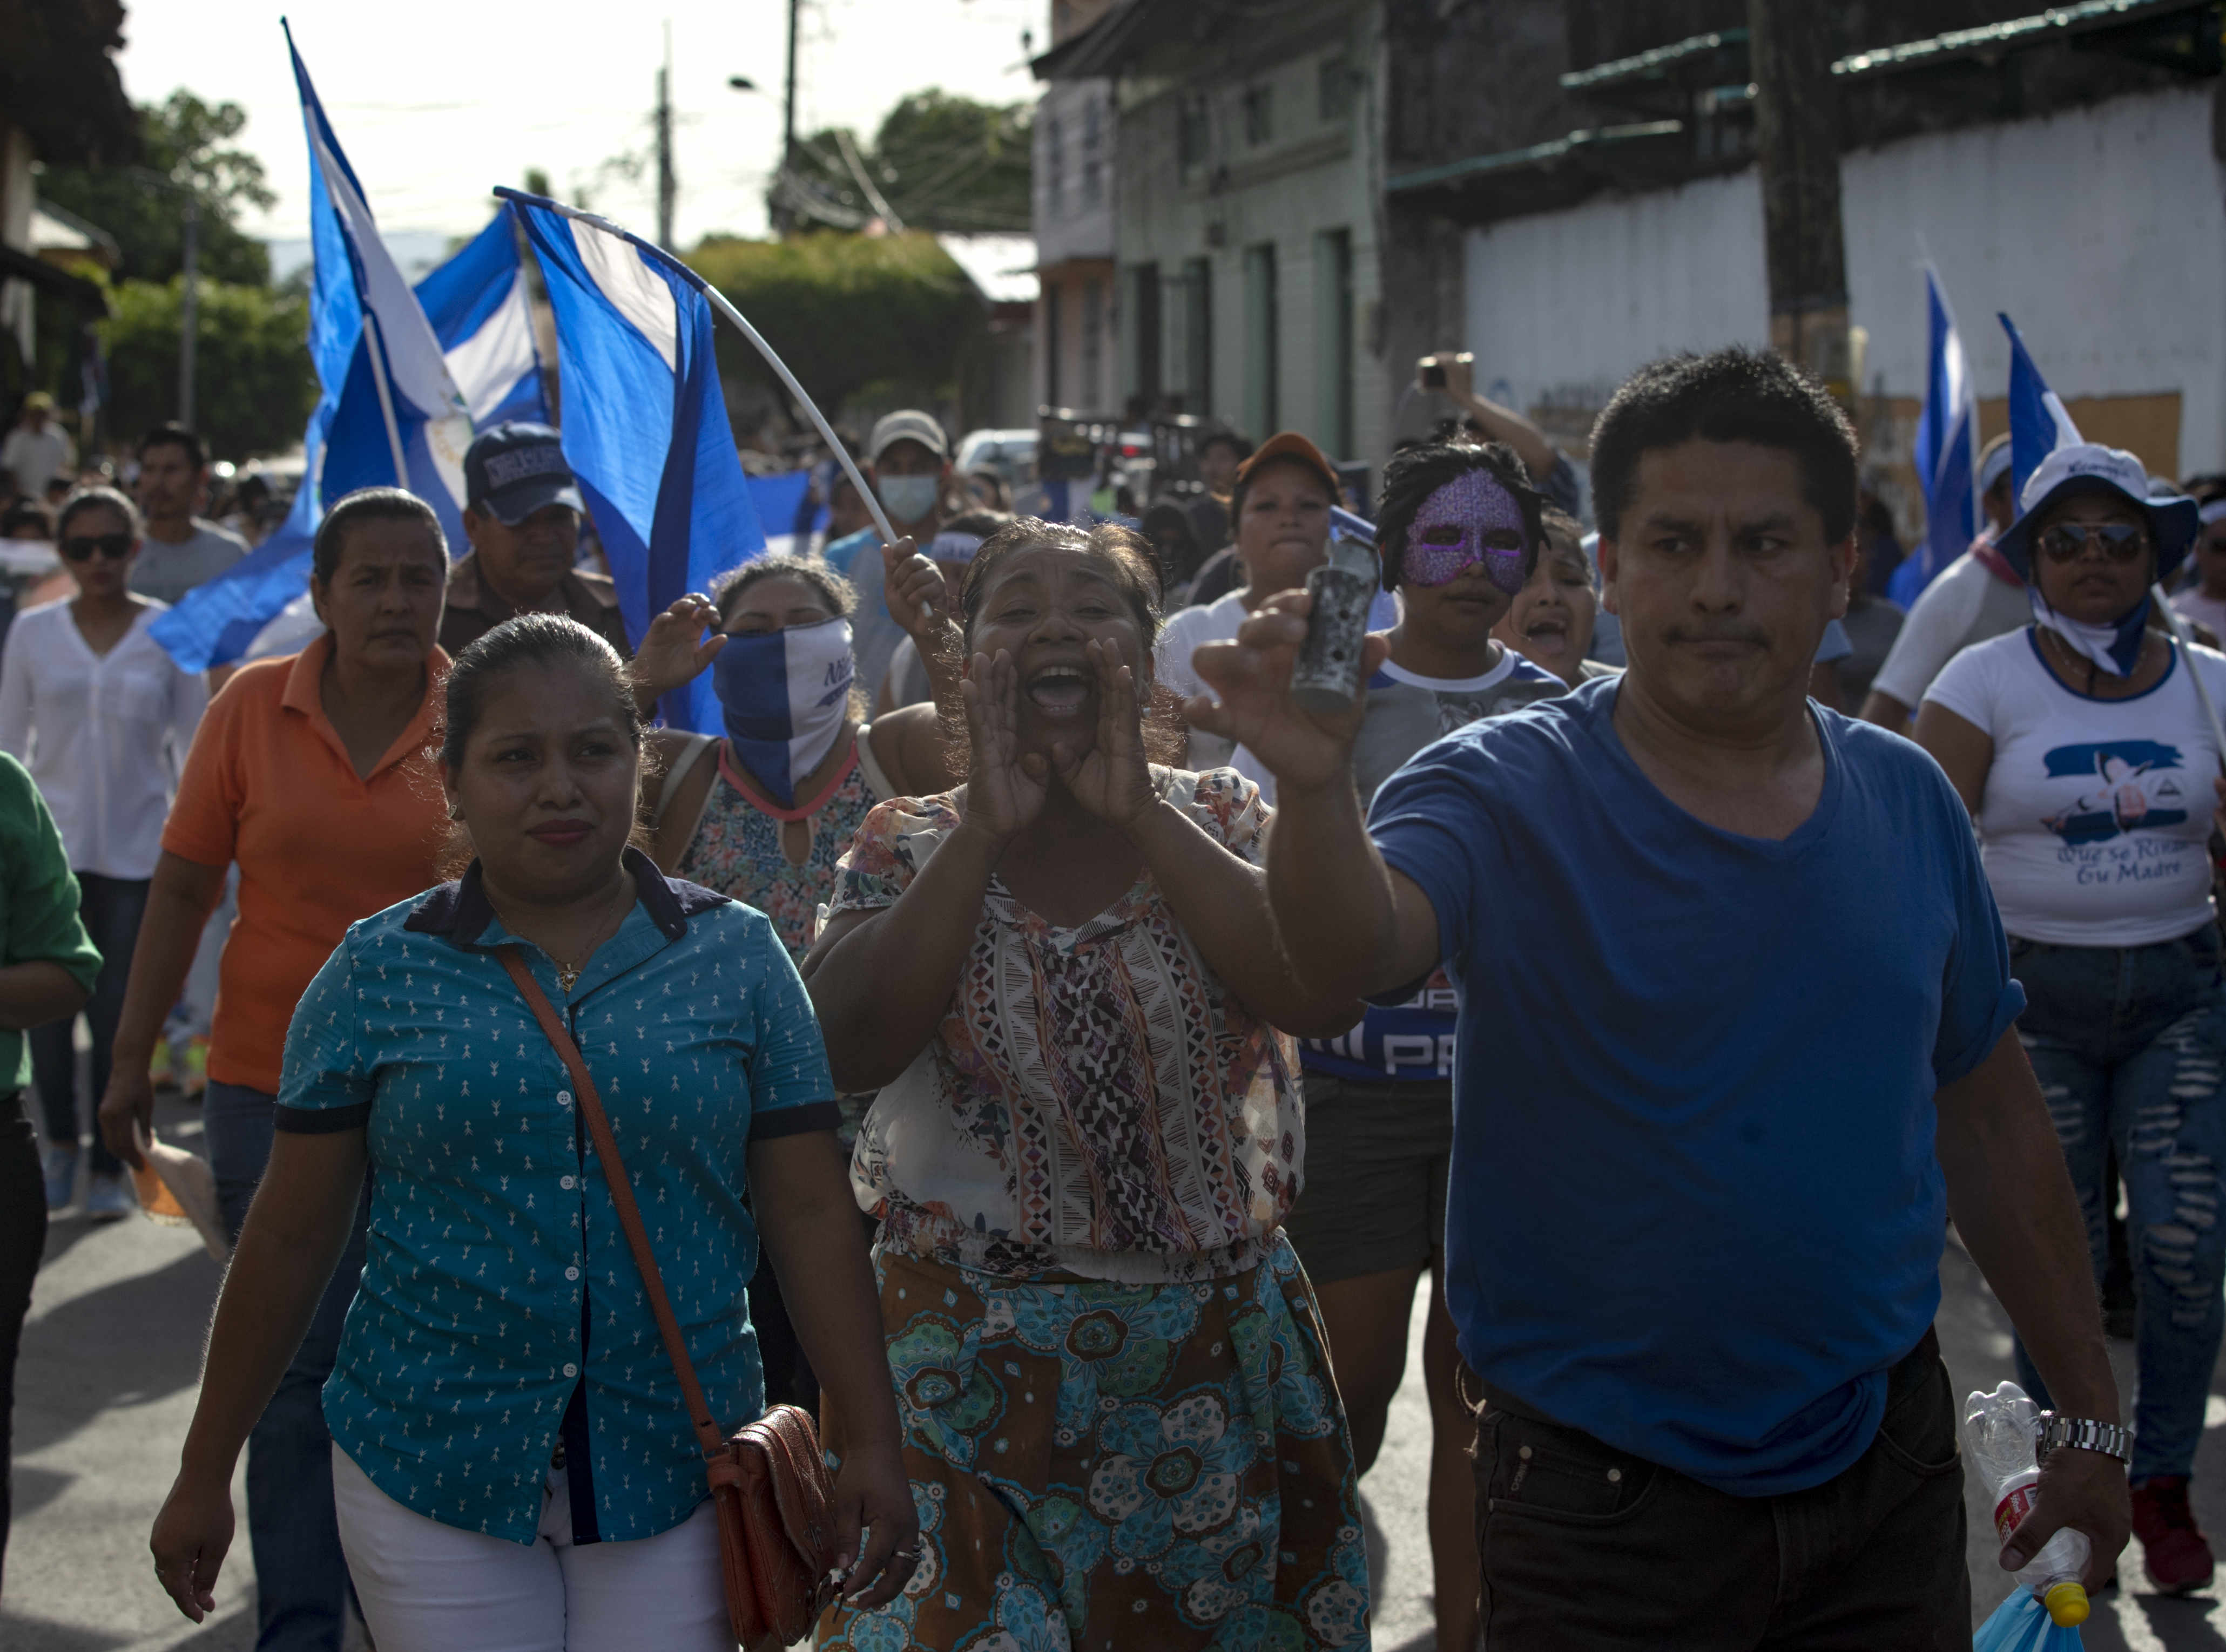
(113, 1351)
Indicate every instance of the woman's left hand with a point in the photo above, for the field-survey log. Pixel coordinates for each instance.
(675, 649)
(1112, 780)
(871, 1489)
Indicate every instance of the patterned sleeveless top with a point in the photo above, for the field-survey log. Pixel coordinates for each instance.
(737, 848)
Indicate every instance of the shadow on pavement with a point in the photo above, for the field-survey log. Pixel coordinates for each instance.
(123, 1344)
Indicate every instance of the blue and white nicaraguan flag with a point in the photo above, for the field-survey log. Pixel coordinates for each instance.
(477, 305)
(645, 420)
(1947, 454)
(470, 313)
(2038, 422)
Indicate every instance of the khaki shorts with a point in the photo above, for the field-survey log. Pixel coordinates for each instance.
(1372, 1190)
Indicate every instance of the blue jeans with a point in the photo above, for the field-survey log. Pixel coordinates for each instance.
(2129, 1045)
(301, 1585)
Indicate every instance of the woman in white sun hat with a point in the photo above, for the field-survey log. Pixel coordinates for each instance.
(2088, 761)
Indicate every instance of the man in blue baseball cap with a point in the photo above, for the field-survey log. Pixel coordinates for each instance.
(522, 510)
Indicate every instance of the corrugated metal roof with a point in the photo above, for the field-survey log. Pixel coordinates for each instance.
(1651, 64)
(1001, 267)
(2018, 34)
(1554, 149)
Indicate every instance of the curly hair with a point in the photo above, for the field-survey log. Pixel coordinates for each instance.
(1414, 473)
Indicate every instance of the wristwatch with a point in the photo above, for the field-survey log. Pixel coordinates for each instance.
(2084, 1435)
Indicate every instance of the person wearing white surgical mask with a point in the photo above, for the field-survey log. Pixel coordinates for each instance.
(908, 464)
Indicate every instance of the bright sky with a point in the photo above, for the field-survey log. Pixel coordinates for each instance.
(436, 101)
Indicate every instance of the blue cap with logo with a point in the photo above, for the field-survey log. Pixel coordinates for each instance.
(512, 470)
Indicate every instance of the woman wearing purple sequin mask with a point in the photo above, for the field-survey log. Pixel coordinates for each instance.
(1459, 530)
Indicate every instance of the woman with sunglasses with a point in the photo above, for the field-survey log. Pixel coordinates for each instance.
(2086, 759)
(102, 719)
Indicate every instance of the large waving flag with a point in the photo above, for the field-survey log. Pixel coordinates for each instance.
(476, 304)
(1947, 452)
(414, 403)
(645, 420)
(2038, 423)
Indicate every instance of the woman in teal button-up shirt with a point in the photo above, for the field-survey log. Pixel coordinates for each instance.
(502, 1400)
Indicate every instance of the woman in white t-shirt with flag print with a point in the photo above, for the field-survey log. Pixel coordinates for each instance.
(2086, 757)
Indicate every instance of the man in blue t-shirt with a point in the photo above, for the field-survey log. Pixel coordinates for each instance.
(1734, 1038)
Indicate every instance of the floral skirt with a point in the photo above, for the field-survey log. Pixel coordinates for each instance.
(1131, 1465)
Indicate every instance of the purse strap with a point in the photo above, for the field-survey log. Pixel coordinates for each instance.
(606, 1149)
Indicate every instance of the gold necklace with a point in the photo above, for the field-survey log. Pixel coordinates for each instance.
(567, 974)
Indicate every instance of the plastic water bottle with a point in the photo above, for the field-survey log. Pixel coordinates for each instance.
(2002, 1427)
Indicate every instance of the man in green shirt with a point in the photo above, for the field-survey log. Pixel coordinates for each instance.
(46, 970)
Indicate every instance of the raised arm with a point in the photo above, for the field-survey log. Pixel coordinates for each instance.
(2011, 1201)
(880, 981)
(183, 895)
(1220, 898)
(1351, 927)
(294, 1235)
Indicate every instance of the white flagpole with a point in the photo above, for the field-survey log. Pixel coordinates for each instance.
(2178, 622)
(889, 534)
(385, 397)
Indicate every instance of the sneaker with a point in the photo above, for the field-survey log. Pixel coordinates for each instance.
(193, 1082)
(162, 1070)
(2174, 1551)
(59, 1164)
(107, 1199)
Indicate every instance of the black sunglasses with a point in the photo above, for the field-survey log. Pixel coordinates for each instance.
(114, 546)
(2122, 542)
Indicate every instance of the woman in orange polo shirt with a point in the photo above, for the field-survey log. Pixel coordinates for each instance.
(311, 773)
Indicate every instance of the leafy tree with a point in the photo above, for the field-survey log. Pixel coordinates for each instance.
(252, 382)
(846, 312)
(190, 143)
(941, 162)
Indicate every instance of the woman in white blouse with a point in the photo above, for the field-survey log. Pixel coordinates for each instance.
(102, 717)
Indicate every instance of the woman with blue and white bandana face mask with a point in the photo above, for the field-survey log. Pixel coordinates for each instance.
(761, 811)
(2087, 760)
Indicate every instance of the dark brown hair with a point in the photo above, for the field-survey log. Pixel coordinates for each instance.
(368, 504)
(531, 641)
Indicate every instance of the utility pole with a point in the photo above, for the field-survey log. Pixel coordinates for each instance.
(667, 186)
(783, 220)
(1797, 130)
(189, 307)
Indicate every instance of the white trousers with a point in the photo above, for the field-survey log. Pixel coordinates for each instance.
(426, 1587)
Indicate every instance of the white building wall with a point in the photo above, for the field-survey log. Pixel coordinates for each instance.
(1562, 307)
(1314, 174)
(2100, 230)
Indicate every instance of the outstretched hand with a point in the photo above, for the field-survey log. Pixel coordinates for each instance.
(1005, 787)
(1112, 780)
(675, 649)
(1252, 678)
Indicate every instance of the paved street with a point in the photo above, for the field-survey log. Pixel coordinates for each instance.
(108, 1379)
